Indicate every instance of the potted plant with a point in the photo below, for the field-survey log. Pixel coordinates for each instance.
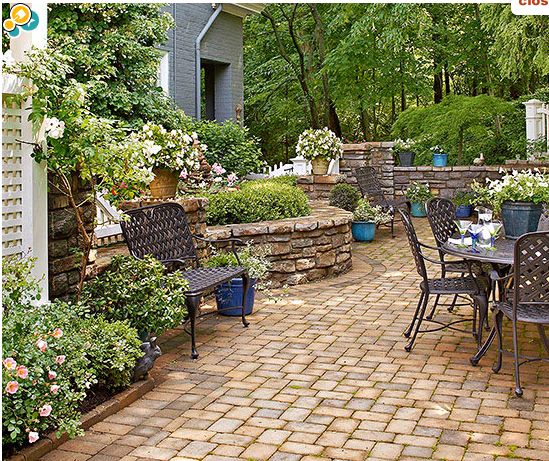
(168, 153)
(404, 149)
(229, 295)
(365, 220)
(519, 196)
(463, 201)
(418, 194)
(319, 146)
(440, 158)
(344, 196)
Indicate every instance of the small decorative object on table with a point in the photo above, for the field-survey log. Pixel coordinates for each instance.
(463, 200)
(418, 194)
(365, 220)
(319, 146)
(475, 231)
(440, 158)
(405, 151)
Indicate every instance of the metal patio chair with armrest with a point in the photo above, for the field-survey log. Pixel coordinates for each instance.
(525, 298)
(465, 285)
(164, 232)
(370, 187)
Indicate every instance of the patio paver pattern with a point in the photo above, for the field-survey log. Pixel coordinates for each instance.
(322, 374)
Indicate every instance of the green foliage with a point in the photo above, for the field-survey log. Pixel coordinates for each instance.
(257, 201)
(418, 192)
(288, 180)
(365, 212)
(344, 196)
(140, 292)
(230, 145)
(463, 198)
(253, 258)
(18, 287)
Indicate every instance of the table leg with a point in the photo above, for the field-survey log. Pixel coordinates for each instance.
(482, 351)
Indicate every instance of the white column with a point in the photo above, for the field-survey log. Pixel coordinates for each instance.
(301, 165)
(534, 119)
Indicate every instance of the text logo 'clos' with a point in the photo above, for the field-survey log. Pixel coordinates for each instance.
(22, 18)
(530, 7)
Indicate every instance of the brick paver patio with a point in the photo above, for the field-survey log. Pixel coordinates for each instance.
(322, 374)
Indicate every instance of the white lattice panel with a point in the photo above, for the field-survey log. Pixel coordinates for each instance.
(12, 180)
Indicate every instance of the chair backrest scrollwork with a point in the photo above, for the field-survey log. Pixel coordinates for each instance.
(414, 243)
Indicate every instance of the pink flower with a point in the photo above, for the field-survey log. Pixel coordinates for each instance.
(54, 388)
(57, 333)
(11, 387)
(183, 174)
(231, 179)
(9, 363)
(42, 345)
(60, 359)
(52, 374)
(22, 371)
(218, 169)
(33, 437)
(45, 410)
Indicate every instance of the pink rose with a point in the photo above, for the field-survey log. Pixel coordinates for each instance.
(52, 374)
(57, 333)
(22, 371)
(33, 437)
(45, 410)
(42, 345)
(54, 388)
(9, 363)
(11, 387)
(60, 359)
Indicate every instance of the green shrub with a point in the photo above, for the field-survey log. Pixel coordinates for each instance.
(258, 201)
(288, 180)
(230, 145)
(254, 259)
(344, 196)
(140, 292)
(18, 286)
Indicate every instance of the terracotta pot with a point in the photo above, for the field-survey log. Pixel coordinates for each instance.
(320, 165)
(164, 184)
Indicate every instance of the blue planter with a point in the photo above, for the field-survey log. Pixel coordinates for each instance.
(363, 231)
(228, 297)
(440, 159)
(520, 218)
(464, 211)
(418, 210)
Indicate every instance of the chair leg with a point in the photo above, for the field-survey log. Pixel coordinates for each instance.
(409, 346)
(435, 304)
(393, 226)
(408, 331)
(543, 337)
(452, 306)
(193, 303)
(245, 286)
(481, 303)
(498, 323)
(518, 388)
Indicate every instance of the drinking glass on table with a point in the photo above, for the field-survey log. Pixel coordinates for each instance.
(463, 226)
(493, 228)
(475, 230)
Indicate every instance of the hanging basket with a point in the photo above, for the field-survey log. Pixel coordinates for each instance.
(164, 184)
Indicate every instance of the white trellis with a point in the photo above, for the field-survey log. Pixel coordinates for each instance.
(108, 219)
(537, 121)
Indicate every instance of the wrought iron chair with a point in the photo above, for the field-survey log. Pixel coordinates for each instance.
(525, 298)
(370, 187)
(164, 232)
(465, 285)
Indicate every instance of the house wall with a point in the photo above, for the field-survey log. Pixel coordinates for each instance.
(221, 45)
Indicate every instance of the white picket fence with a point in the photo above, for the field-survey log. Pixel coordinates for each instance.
(298, 167)
(108, 219)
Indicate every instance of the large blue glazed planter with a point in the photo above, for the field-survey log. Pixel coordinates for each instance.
(363, 231)
(440, 159)
(464, 211)
(228, 297)
(418, 210)
(520, 218)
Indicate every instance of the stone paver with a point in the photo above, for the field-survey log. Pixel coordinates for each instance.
(321, 374)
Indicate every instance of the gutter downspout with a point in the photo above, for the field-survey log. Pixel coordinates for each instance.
(197, 88)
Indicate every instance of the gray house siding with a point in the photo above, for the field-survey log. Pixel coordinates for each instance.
(221, 49)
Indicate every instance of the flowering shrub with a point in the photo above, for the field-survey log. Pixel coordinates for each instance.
(322, 143)
(365, 212)
(523, 186)
(174, 150)
(437, 150)
(402, 145)
(418, 192)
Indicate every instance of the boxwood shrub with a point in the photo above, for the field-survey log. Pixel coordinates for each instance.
(257, 201)
(344, 196)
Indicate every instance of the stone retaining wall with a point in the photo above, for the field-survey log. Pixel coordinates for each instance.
(318, 187)
(301, 249)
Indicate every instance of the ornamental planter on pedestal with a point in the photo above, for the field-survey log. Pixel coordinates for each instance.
(320, 166)
(520, 218)
(363, 231)
(418, 210)
(406, 159)
(229, 295)
(164, 184)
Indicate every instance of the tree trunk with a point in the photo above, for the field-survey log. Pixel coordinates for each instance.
(446, 79)
(437, 85)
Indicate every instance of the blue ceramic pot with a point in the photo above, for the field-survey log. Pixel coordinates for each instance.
(363, 231)
(464, 211)
(440, 159)
(228, 297)
(520, 218)
(418, 210)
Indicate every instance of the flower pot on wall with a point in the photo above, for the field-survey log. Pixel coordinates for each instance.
(363, 231)
(418, 210)
(228, 297)
(464, 211)
(320, 166)
(520, 218)
(440, 159)
(406, 158)
(164, 184)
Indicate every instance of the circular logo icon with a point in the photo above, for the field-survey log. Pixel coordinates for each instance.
(20, 13)
(15, 32)
(9, 25)
(32, 24)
